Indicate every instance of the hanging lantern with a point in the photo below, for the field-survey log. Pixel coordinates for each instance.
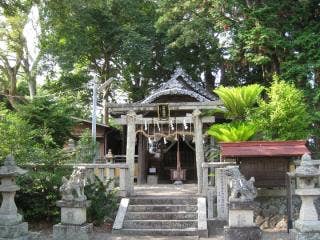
(171, 125)
(145, 125)
(185, 125)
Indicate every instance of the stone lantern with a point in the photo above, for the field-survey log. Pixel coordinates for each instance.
(11, 225)
(109, 156)
(308, 225)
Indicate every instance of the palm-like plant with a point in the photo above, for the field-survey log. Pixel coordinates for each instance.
(237, 100)
(232, 132)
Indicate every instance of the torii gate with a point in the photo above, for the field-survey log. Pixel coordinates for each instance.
(130, 118)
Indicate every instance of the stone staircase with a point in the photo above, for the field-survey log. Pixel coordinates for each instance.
(161, 216)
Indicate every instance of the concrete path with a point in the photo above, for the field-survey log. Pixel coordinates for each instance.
(166, 190)
(266, 236)
(108, 236)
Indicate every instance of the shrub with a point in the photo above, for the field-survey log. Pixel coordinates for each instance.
(40, 192)
(284, 115)
(103, 203)
(238, 100)
(16, 136)
(86, 149)
(232, 132)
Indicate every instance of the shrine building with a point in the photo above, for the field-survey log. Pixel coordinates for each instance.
(165, 134)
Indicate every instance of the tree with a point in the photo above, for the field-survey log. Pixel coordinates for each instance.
(11, 52)
(232, 132)
(109, 38)
(15, 56)
(53, 116)
(239, 100)
(284, 115)
(16, 136)
(192, 38)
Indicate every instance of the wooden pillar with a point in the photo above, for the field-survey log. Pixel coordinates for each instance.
(131, 142)
(141, 160)
(198, 137)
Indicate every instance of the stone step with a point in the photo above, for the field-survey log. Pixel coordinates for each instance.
(163, 201)
(162, 208)
(161, 216)
(160, 224)
(157, 232)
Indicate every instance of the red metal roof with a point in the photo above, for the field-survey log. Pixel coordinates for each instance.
(264, 149)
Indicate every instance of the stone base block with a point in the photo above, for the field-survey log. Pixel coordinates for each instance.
(216, 226)
(307, 226)
(71, 232)
(18, 231)
(73, 216)
(242, 233)
(10, 219)
(241, 218)
(296, 235)
(152, 179)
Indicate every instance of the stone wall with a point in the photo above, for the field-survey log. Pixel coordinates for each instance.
(271, 211)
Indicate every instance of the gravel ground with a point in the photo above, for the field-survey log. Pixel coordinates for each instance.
(47, 235)
(103, 233)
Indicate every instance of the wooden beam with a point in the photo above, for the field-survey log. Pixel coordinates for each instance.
(179, 120)
(119, 108)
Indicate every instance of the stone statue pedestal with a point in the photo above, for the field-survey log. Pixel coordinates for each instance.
(241, 225)
(73, 221)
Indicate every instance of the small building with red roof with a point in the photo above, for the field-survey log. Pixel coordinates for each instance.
(267, 161)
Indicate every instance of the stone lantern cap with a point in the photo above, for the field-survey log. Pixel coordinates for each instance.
(10, 168)
(306, 168)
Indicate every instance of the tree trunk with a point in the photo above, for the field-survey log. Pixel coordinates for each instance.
(210, 80)
(317, 77)
(105, 111)
(32, 83)
(13, 82)
(222, 75)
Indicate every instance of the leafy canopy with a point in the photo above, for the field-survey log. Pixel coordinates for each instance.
(284, 115)
(232, 132)
(238, 100)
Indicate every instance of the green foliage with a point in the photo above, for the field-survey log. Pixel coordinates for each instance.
(238, 100)
(284, 115)
(103, 203)
(51, 115)
(40, 192)
(86, 149)
(16, 136)
(232, 132)
(190, 37)
(122, 39)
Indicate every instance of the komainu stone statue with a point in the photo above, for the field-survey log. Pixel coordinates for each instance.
(241, 207)
(72, 189)
(241, 189)
(73, 206)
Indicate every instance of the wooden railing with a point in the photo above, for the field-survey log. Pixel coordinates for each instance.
(117, 172)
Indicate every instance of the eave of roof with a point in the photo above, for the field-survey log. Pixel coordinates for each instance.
(90, 122)
(264, 149)
(184, 86)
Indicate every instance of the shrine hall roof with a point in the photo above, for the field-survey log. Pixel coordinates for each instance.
(264, 149)
(181, 84)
